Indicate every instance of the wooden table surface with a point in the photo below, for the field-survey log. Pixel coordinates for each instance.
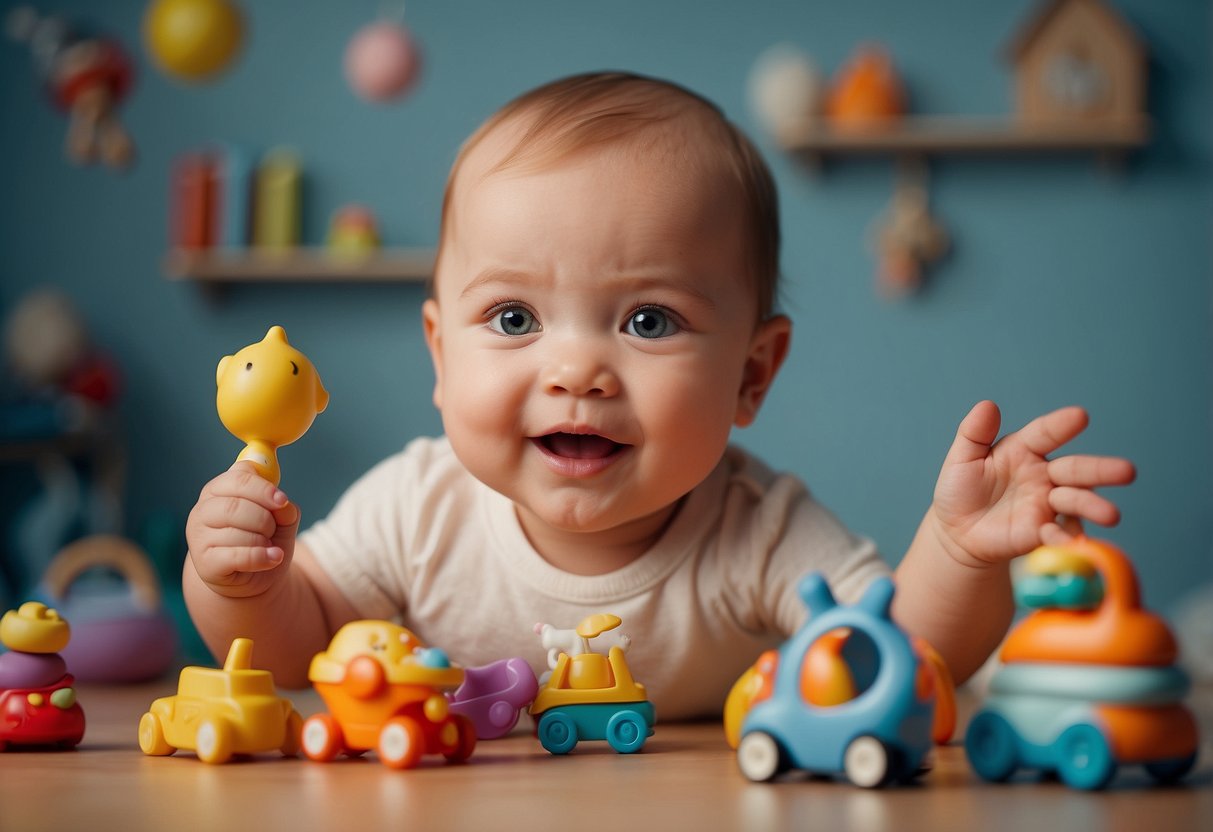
(684, 778)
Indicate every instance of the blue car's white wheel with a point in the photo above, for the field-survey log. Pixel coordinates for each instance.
(626, 732)
(990, 744)
(1084, 759)
(759, 757)
(868, 763)
(557, 732)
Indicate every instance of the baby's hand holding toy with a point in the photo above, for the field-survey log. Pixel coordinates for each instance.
(243, 526)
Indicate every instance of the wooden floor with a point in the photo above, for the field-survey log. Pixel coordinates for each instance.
(685, 778)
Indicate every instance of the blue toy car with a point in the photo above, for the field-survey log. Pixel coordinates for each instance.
(874, 721)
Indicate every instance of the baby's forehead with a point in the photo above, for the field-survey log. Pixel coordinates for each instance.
(682, 140)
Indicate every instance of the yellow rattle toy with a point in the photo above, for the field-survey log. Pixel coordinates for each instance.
(269, 395)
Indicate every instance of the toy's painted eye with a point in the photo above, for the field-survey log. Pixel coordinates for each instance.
(248, 366)
(294, 369)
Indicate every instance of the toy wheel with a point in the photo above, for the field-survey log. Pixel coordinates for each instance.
(557, 733)
(626, 732)
(401, 743)
(1171, 771)
(151, 736)
(1084, 759)
(991, 746)
(466, 743)
(868, 763)
(503, 716)
(321, 738)
(213, 742)
(760, 757)
(294, 730)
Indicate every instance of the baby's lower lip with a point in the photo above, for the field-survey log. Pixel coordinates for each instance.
(578, 455)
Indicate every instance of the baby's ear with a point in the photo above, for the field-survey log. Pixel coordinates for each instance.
(768, 348)
(433, 340)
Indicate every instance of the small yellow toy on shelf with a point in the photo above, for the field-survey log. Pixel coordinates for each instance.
(218, 713)
(269, 394)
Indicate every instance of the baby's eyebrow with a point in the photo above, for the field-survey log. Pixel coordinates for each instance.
(641, 284)
(632, 284)
(496, 274)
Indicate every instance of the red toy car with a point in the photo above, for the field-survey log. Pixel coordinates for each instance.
(46, 715)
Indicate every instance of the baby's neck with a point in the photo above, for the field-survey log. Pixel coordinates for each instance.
(595, 553)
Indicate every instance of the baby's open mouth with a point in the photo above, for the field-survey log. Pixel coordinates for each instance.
(579, 445)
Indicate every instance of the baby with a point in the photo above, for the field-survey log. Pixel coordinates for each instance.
(602, 315)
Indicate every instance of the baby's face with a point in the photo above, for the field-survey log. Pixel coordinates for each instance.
(590, 332)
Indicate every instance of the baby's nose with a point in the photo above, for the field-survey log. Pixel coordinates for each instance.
(580, 375)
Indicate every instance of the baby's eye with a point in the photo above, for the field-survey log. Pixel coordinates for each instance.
(513, 320)
(651, 322)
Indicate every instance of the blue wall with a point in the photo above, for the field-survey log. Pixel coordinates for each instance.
(1067, 284)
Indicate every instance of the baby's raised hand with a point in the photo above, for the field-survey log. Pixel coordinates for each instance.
(241, 530)
(997, 500)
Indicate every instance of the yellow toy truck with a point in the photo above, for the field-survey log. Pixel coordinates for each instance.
(220, 712)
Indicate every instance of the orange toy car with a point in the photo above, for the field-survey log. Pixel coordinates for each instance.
(385, 690)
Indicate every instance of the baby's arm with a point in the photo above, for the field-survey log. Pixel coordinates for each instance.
(245, 576)
(993, 502)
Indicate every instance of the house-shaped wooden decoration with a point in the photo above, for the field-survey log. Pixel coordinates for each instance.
(1079, 60)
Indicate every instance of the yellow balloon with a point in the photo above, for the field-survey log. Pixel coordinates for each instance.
(192, 39)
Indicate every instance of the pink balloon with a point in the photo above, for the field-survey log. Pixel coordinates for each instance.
(382, 61)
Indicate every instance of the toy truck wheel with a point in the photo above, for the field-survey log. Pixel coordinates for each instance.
(213, 742)
(626, 732)
(401, 743)
(557, 732)
(321, 738)
(760, 757)
(151, 736)
(1084, 759)
(294, 731)
(1171, 771)
(868, 763)
(990, 744)
(465, 743)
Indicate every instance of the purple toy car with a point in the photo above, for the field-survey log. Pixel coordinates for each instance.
(493, 695)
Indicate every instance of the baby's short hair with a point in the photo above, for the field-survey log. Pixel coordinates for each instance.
(606, 108)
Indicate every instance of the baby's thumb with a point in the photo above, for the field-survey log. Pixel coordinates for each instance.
(287, 520)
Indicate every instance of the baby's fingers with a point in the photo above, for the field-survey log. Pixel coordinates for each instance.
(1091, 471)
(226, 563)
(1045, 434)
(236, 513)
(242, 480)
(1084, 504)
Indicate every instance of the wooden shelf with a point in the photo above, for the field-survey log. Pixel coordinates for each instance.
(817, 141)
(307, 265)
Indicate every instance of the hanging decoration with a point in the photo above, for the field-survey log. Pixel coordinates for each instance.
(382, 61)
(907, 238)
(193, 40)
(87, 76)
